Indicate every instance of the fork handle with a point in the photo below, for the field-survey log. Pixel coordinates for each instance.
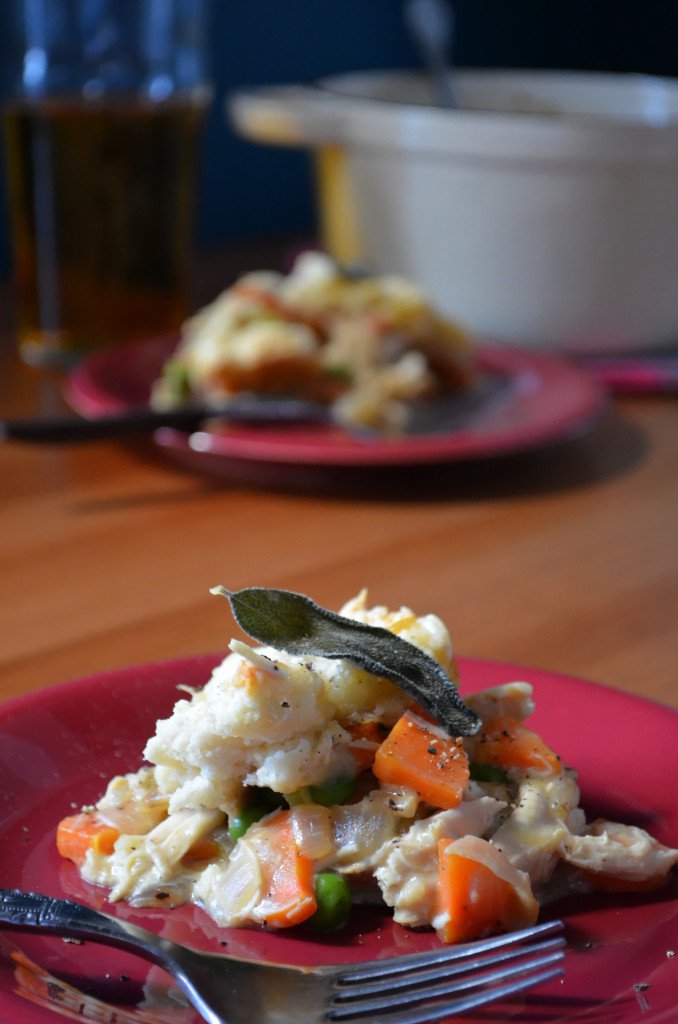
(31, 911)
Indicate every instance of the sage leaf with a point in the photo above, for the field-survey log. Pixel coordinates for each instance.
(293, 623)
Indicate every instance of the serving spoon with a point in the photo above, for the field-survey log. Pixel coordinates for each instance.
(140, 420)
(431, 23)
(453, 411)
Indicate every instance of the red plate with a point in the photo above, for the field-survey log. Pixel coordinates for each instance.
(546, 399)
(58, 748)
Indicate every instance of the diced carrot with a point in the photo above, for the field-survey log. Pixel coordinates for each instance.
(377, 322)
(474, 901)
(288, 883)
(275, 305)
(82, 832)
(417, 709)
(204, 849)
(373, 732)
(290, 375)
(509, 743)
(418, 755)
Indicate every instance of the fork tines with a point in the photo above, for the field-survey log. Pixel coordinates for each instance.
(430, 986)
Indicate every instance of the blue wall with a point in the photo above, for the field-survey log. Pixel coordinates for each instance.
(249, 190)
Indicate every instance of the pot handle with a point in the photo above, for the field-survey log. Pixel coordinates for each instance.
(293, 115)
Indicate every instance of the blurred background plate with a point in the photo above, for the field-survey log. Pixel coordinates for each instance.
(542, 399)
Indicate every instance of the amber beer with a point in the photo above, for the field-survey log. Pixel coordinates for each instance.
(101, 206)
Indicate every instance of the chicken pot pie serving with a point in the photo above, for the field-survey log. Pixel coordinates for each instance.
(337, 758)
(365, 347)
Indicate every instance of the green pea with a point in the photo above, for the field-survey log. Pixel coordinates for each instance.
(340, 372)
(487, 772)
(337, 790)
(176, 381)
(246, 816)
(270, 798)
(299, 796)
(263, 802)
(333, 896)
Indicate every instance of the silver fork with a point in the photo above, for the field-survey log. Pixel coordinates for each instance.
(412, 989)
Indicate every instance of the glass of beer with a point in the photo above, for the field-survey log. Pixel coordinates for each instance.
(102, 133)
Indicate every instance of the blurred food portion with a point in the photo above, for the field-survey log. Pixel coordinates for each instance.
(366, 346)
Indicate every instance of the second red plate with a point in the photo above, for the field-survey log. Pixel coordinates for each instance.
(542, 399)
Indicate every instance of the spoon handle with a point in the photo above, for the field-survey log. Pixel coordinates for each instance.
(431, 23)
(60, 429)
(143, 420)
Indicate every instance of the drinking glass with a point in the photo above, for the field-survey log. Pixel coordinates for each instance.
(102, 127)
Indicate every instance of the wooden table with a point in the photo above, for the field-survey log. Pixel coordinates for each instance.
(566, 559)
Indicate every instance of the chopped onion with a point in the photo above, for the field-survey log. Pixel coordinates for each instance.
(231, 894)
(402, 800)
(312, 826)
(163, 894)
(135, 819)
(360, 830)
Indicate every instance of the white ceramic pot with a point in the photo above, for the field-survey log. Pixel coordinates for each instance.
(542, 212)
